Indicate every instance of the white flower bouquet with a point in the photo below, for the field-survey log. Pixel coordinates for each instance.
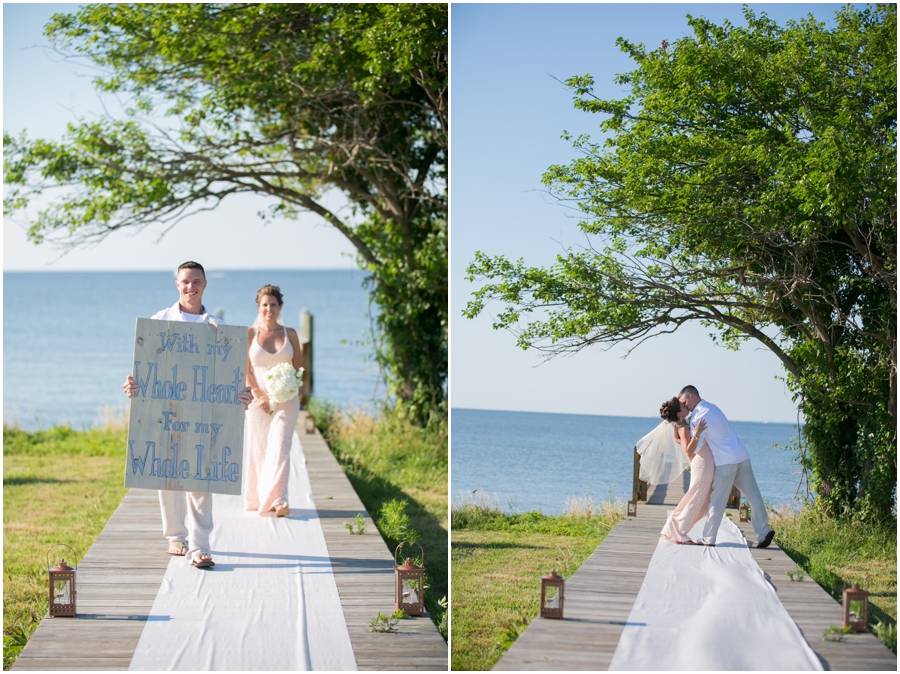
(283, 382)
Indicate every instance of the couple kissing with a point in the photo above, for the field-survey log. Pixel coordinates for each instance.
(718, 461)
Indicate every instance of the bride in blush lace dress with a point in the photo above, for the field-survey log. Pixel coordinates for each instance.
(695, 504)
(269, 426)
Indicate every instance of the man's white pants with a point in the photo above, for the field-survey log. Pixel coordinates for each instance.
(741, 476)
(181, 509)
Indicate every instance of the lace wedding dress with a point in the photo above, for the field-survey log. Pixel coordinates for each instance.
(268, 436)
(694, 506)
(662, 461)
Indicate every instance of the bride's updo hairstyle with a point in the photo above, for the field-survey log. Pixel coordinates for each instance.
(274, 291)
(670, 409)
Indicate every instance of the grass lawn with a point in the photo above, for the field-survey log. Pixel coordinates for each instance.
(498, 561)
(836, 554)
(59, 486)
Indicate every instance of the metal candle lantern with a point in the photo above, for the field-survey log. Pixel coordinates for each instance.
(745, 513)
(632, 508)
(409, 584)
(309, 425)
(857, 620)
(62, 586)
(553, 590)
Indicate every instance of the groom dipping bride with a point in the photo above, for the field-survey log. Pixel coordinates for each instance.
(721, 462)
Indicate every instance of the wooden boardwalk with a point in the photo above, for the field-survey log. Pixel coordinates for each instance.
(115, 600)
(601, 594)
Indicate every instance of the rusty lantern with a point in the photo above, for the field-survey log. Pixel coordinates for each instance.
(309, 425)
(409, 584)
(632, 508)
(62, 586)
(856, 608)
(553, 591)
(745, 513)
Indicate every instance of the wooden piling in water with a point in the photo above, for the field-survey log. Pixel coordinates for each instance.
(306, 342)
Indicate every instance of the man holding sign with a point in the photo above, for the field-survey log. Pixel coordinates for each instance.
(183, 511)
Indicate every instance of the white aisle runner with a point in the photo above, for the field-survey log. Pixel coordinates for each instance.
(269, 603)
(703, 608)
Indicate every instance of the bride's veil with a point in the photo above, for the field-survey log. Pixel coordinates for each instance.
(662, 458)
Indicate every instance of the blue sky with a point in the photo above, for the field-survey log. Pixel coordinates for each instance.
(507, 115)
(42, 92)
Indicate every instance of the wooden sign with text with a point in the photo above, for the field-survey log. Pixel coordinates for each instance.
(186, 426)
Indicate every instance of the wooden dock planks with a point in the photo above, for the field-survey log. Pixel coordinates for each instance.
(814, 610)
(600, 595)
(117, 582)
(115, 597)
(364, 572)
(598, 600)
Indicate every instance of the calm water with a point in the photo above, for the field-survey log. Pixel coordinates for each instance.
(68, 337)
(531, 461)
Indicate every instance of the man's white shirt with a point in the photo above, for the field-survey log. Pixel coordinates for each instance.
(725, 446)
(174, 313)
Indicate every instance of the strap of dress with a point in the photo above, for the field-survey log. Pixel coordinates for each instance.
(260, 346)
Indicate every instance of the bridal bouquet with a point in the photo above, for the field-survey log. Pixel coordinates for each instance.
(283, 382)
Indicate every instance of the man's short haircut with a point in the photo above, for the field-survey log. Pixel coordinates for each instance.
(688, 390)
(191, 265)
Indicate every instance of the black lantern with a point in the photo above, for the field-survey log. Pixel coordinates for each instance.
(309, 424)
(745, 513)
(553, 590)
(409, 584)
(62, 586)
(856, 609)
(632, 508)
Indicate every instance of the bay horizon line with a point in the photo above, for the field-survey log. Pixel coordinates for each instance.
(612, 416)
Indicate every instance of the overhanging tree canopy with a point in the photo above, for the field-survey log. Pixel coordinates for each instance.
(290, 101)
(749, 182)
